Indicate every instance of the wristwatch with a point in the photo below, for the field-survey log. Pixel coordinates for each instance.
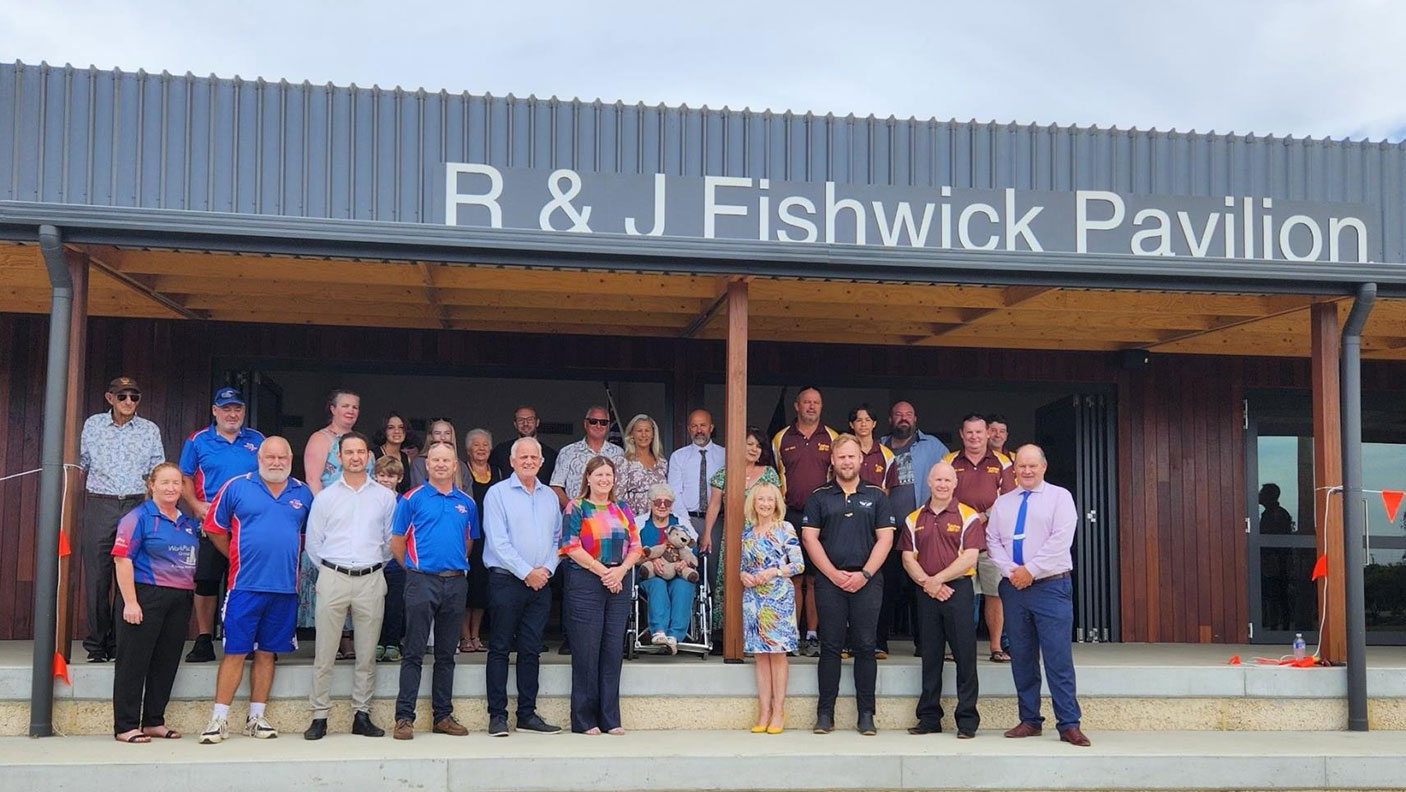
(866, 574)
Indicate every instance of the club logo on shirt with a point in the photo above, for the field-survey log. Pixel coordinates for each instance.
(461, 508)
(953, 527)
(993, 470)
(250, 447)
(186, 553)
(866, 504)
(823, 447)
(295, 503)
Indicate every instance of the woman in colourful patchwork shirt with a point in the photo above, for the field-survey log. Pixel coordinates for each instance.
(154, 558)
(600, 543)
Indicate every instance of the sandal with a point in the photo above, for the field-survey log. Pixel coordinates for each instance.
(135, 737)
(466, 646)
(169, 734)
(478, 646)
(999, 656)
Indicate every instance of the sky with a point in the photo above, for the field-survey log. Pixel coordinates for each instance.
(1286, 67)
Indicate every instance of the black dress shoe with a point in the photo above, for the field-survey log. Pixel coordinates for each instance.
(361, 724)
(564, 649)
(98, 656)
(317, 730)
(498, 726)
(866, 724)
(966, 735)
(922, 728)
(824, 722)
(534, 723)
(202, 651)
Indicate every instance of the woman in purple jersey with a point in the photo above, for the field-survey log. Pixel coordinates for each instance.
(154, 558)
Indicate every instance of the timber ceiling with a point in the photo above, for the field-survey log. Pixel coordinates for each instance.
(199, 285)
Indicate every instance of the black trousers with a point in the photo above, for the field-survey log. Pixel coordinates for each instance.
(100, 516)
(393, 623)
(148, 655)
(948, 623)
(431, 602)
(519, 617)
(893, 594)
(847, 619)
(597, 624)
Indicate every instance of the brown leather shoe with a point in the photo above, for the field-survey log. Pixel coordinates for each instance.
(404, 729)
(1073, 736)
(447, 725)
(1024, 730)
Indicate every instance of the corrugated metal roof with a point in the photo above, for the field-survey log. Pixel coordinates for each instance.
(141, 140)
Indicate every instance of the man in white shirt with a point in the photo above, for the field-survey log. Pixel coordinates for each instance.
(349, 540)
(692, 467)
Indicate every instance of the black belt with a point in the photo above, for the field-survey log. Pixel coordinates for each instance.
(351, 572)
(698, 514)
(1060, 576)
(101, 496)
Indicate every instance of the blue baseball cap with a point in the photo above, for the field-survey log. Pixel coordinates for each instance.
(225, 396)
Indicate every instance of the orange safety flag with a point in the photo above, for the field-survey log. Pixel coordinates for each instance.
(1320, 569)
(1234, 660)
(64, 549)
(61, 668)
(1391, 499)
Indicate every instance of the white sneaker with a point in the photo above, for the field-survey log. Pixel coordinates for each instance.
(673, 644)
(659, 639)
(259, 728)
(215, 731)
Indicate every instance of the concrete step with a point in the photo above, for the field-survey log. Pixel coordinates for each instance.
(713, 760)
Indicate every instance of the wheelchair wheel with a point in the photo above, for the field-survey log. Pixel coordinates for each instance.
(630, 653)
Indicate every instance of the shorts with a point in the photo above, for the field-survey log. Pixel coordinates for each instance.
(988, 577)
(794, 517)
(261, 621)
(211, 569)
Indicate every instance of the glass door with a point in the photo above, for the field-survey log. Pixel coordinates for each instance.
(1284, 513)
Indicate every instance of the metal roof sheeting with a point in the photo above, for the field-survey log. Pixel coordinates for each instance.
(160, 141)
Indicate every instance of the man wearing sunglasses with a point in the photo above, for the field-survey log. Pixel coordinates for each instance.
(116, 450)
(570, 471)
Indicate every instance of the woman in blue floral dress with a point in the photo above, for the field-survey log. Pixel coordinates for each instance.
(771, 556)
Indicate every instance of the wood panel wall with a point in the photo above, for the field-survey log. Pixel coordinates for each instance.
(1180, 454)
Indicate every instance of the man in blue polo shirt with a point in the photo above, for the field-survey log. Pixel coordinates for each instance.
(433, 530)
(257, 520)
(211, 456)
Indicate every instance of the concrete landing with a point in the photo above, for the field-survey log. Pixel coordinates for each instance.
(712, 760)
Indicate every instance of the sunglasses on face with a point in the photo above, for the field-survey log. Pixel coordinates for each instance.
(664, 502)
(131, 397)
(598, 421)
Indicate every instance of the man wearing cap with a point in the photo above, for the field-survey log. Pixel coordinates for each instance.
(117, 450)
(211, 456)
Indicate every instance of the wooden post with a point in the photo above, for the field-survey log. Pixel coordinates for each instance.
(1328, 472)
(736, 468)
(73, 424)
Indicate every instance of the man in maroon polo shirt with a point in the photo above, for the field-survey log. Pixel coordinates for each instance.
(802, 452)
(984, 475)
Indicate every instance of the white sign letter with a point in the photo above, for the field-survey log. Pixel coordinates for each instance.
(1083, 225)
(1021, 227)
(658, 229)
(833, 209)
(1162, 232)
(783, 211)
(964, 221)
(1335, 230)
(902, 218)
(453, 199)
(711, 207)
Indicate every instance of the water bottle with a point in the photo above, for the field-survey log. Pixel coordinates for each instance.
(1300, 648)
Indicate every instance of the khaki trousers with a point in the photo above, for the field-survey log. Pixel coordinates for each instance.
(365, 598)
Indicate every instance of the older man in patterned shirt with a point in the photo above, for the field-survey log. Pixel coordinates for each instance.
(117, 450)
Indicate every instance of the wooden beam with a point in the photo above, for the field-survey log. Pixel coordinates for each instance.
(1328, 472)
(697, 322)
(736, 461)
(1011, 296)
(1231, 324)
(78, 269)
(132, 282)
(427, 272)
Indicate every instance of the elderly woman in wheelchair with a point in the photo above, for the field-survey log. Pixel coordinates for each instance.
(668, 575)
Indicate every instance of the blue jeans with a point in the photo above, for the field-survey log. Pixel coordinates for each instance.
(1040, 621)
(670, 605)
(519, 615)
(596, 620)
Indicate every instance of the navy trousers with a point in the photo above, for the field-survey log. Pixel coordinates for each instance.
(519, 616)
(596, 619)
(1040, 621)
(431, 603)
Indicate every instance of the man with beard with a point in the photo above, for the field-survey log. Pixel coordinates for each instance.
(257, 521)
(802, 452)
(525, 423)
(914, 454)
(692, 467)
(848, 530)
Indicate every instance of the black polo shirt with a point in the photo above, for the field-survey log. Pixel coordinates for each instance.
(848, 524)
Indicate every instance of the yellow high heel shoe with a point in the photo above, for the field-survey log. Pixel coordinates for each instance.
(760, 728)
(777, 729)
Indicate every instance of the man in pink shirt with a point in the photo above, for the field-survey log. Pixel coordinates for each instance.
(1028, 537)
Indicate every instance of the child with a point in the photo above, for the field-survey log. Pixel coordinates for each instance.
(388, 474)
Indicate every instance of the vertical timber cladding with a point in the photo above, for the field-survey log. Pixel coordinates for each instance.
(1180, 467)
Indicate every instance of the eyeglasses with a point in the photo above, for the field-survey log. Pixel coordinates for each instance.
(663, 501)
(128, 396)
(598, 421)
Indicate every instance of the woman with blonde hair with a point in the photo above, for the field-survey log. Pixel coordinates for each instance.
(645, 465)
(771, 556)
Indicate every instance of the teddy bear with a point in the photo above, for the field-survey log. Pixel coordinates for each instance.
(677, 546)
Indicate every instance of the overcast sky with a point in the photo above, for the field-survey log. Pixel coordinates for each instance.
(1299, 67)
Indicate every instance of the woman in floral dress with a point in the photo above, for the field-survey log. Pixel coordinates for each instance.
(771, 556)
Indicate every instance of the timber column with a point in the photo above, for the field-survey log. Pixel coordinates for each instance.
(1328, 472)
(736, 461)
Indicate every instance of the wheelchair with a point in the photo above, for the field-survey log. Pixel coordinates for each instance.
(699, 640)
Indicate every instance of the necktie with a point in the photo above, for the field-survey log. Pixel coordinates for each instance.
(702, 479)
(1018, 550)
